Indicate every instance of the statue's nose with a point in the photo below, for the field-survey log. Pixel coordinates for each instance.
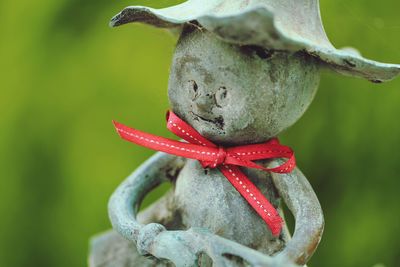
(204, 102)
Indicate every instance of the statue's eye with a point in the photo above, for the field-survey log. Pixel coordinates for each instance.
(193, 89)
(193, 85)
(221, 96)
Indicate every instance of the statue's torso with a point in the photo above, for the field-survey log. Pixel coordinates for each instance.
(205, 198)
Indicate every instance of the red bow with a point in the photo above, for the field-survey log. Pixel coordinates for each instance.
(227, 160)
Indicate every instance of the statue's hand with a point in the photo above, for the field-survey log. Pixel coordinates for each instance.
(175, 246)
(147, 236)
(184, 248)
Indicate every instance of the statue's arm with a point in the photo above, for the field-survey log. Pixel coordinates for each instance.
(301, 200)
(125, 201)
(183, 248)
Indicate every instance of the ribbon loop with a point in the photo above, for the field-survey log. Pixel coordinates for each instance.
(226, 159)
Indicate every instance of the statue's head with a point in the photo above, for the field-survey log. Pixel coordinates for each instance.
(239, 94)
(250, 69)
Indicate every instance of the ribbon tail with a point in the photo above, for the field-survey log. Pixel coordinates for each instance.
(254, 197)
(166, 145)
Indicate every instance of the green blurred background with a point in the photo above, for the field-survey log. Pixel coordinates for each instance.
(65, 75)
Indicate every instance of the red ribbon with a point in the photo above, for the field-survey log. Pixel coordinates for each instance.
(226, 159)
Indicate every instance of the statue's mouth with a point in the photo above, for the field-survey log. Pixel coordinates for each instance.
(216, 121)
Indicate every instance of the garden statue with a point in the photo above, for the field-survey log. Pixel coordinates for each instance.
(242, 72)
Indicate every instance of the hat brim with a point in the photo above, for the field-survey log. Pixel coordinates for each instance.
(270, 27)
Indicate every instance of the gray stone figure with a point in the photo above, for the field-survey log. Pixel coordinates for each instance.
(242, 72)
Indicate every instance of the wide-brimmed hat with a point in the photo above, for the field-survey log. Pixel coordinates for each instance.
(289, 25)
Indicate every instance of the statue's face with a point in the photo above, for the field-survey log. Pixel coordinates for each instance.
(239, 95)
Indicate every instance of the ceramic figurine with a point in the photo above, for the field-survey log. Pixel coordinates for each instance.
(242, 72)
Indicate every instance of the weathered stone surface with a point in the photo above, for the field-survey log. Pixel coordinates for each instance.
(243, 72)
(220, 89)
(288, 25)
(111, 250)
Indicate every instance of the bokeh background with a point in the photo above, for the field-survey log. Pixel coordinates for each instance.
(65, 75)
